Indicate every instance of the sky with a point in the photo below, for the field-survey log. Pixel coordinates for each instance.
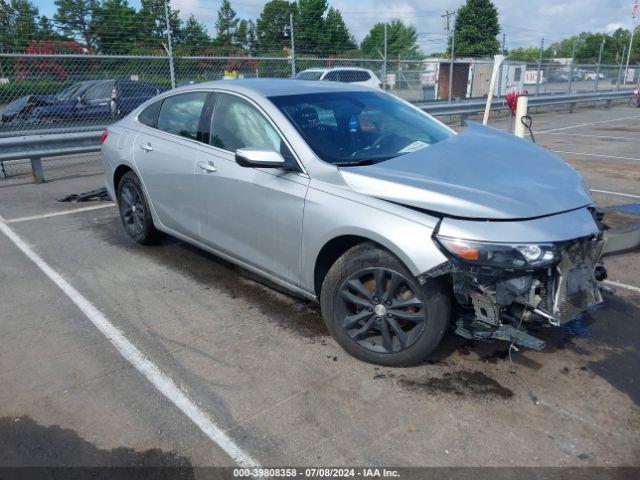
(524, 23)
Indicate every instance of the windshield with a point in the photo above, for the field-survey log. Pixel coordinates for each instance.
(73, 90)
(358, 128)
(309, 75)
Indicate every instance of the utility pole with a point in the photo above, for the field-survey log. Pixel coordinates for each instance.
(504, 52)
(624, 51)
(169, 46)
(384, 59)
(599, 62)
(633, 31)
(539, 73)
(293, 47)
(573, 59)
(452, 35)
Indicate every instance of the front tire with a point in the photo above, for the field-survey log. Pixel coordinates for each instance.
(378, 312)
(134, 211)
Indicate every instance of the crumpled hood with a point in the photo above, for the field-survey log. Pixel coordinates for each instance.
(20, 104)
(482, 173)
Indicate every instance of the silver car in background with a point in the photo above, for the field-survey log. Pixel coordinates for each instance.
(397, 225)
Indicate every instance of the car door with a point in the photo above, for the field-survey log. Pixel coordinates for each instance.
(165, 152)
(252, 214)
(95, 103)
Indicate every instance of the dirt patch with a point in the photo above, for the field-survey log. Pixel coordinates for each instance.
(462, 383)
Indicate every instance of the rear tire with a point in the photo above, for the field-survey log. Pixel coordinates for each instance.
(378, 312)
(134, 211)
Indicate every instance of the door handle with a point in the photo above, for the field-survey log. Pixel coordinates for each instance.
(146, 147)
(209, 167)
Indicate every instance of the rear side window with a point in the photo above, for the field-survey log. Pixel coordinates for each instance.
(351, 76)
(180, 114)
(99, 92)
(149, 116)
(331, 76)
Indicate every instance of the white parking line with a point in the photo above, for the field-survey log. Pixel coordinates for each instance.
(596, 155)
(135, 357)
(614, 193)
(607, 137)
(587, 124)
(57, 214)
(622, 285)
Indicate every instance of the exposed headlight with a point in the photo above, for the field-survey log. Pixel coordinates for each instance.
(501, 255)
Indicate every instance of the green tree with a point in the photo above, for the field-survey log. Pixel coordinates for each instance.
(74, 19)
(272, 26)
(153, 26)
(402, 41)
(529, 54)
(246, 36)
(46, 30)
(5, 26)
(476, 28)
(194, 38)
(337, 37)
(24, 23)
(226, 27)
(309, 26)
(115, 26)
(587, 46)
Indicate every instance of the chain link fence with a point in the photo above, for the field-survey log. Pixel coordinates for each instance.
(65, 93)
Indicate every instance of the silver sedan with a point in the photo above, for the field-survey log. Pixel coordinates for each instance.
(397, 225)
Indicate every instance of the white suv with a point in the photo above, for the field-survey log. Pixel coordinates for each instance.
(359, 76)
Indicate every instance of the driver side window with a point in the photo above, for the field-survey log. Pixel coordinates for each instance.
(238, 124)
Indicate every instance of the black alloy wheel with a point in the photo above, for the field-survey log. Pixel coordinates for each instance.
(380, 310)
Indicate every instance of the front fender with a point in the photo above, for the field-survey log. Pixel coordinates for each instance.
(404, 232)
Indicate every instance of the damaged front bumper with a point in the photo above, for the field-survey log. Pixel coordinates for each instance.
(499, 303)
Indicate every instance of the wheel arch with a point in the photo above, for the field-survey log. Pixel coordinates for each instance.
(119, 172)
(338, 245)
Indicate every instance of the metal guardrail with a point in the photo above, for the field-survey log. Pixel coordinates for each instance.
(37, 147)
(469, 107)
(52, 144)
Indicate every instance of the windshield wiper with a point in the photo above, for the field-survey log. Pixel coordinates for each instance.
(355, 163)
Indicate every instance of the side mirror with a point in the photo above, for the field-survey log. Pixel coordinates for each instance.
(258, 158)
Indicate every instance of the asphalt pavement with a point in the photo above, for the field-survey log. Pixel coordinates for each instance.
(260, 378)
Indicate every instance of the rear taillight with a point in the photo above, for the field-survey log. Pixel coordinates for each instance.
(104, 137)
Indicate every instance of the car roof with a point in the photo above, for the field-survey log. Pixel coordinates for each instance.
(273, 87)
(329, 69)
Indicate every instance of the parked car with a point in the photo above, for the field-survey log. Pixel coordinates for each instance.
(594, 75)
(359, 76)
(103, 100)
(395, 224)
(20, 109)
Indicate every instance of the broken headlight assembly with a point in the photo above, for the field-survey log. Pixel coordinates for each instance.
(506, 256)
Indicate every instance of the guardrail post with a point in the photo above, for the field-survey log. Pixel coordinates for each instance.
(4, 172)
(36, 170)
